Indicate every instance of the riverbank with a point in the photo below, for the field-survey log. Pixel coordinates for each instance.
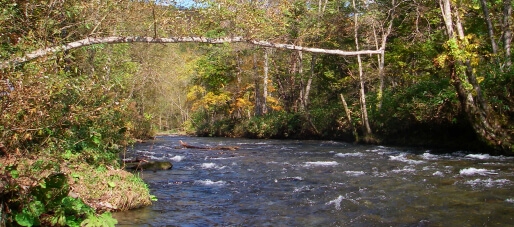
(65, 192)
(439, 135)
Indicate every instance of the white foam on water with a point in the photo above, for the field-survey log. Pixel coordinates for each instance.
(355, 173)
(336, 202)
(152, 157)
(474, 171)
(492, 163)
(403, 158)
(331, 142)
(344, 155)
(293, 178)
(478, 156)
(303, 188)
(331, 152)
(488, 182)
(438, 173)
(329, 163)
(406, 169)
(177, 158)
(211, 166)
(379, 151)
(145, 152)
(429, 156)
(210, 182)
(223, 158)
(427, 168)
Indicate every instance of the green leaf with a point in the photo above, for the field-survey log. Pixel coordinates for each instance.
(105, 219)
(36, 208)
(111, 184)
(96, 140)
(25, 219)
(15, 174)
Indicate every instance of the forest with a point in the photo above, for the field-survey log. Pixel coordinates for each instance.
(80, 81)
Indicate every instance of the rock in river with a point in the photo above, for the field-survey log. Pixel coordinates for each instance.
(150, 165)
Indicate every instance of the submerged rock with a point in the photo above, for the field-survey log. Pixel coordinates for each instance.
(150, 165)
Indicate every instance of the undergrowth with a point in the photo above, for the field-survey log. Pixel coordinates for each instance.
(45, 191)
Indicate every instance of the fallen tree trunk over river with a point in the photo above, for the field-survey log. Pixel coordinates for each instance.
(138, 39)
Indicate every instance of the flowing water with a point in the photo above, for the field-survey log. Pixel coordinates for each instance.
(321, 183)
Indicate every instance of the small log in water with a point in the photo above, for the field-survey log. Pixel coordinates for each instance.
(185, 145)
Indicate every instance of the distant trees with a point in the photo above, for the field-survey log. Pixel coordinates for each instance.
(424, 63)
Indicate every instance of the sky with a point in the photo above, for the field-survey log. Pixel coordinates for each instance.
(182, 3)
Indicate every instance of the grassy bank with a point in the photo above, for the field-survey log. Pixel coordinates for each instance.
(43, 190)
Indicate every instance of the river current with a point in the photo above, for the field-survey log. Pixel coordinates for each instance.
(321, 183)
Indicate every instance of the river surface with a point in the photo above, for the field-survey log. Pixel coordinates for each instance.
(321, 183)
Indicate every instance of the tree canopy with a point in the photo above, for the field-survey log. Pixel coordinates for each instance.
(436, 66)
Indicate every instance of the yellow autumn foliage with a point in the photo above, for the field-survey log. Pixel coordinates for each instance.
(211, 100)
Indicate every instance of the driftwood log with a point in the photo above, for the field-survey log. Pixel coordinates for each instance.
(185, 145)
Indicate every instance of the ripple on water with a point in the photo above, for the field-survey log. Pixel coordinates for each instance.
(211, 166)
(354, 173)
(336, 202)
(177, 158)
(488, 183)
(478, 156)
(406, 169)
(210, 182)
(321, 163)
(474, 171)
(438, 173)
(330, 185)
(404, 158)
(344, 155)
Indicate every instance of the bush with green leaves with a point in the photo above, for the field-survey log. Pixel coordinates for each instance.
(47, 203)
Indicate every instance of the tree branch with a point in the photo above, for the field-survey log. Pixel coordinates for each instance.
(138, 39)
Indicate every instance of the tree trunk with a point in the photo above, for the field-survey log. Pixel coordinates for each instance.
(507, 32)
(381, 59)
(362, 94)
(258, 106)
(291, 93)
(309, 82)
(137, 39)
(349, 118)
(474, 105)
(490, 28)
(265, 82)
(301, 96)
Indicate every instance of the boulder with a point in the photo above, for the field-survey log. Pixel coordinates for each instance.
(150, 165)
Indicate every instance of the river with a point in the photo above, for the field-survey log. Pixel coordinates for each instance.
(321, 183)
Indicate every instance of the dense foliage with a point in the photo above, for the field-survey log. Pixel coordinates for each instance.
(413, 94)
(77, 106)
